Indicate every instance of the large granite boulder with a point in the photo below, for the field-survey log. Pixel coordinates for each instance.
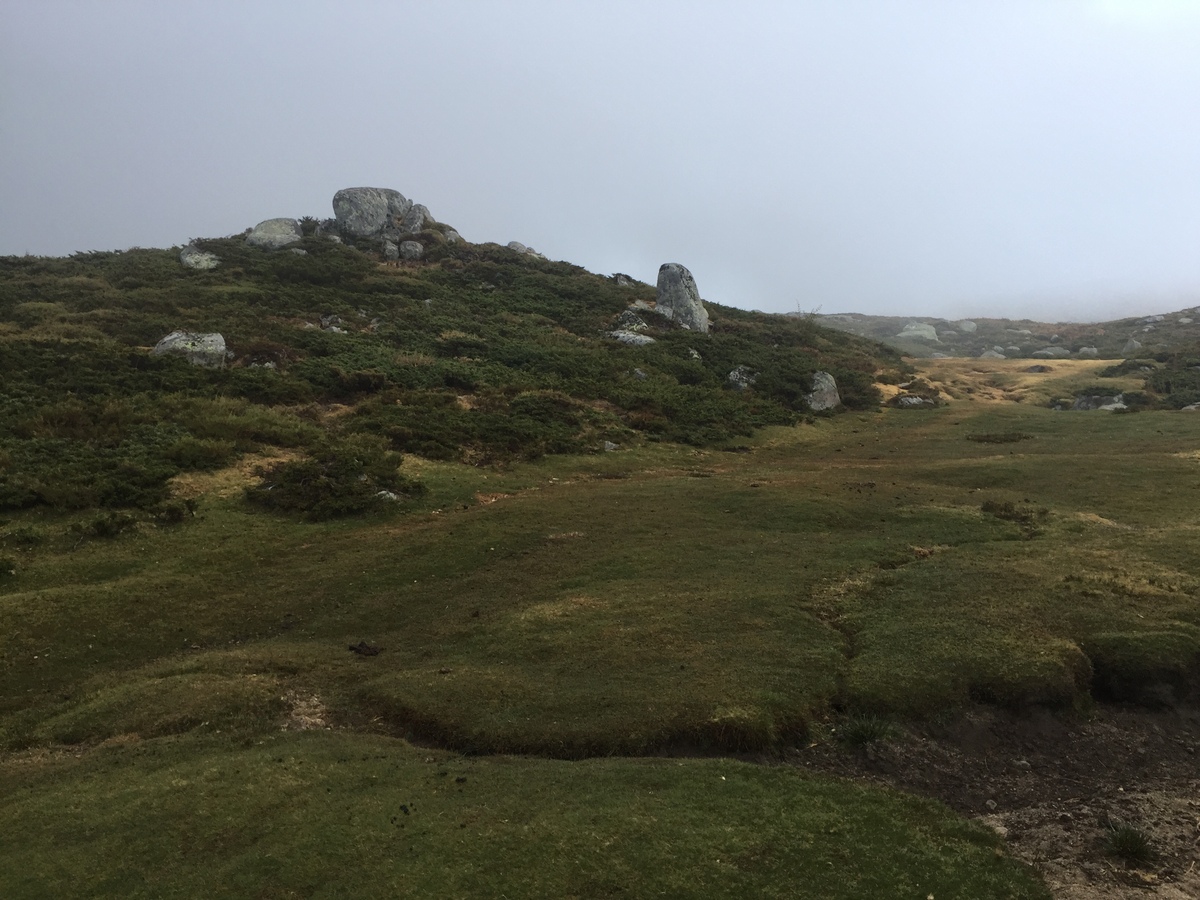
(1131, 347)
(824, 394)
(368, 212)
(679, 299)
(1051, 353)
(966, 326)
(1089, 352)
(274, 233)
(207, 350)
(411, 250)
(992, 354)
(195, 258)
(920, 331)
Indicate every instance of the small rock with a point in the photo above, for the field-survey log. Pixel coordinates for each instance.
(609, 446)
(299, 251)
(387, 497)
(992, 354)
(195, 258)
(1022, 765)
(640, 375)
(741, 378)
(273, 234)
(206, 350)
(1051, 353)
(824, 394)
(632, 338)
(362, 648)
(628, 320)
(912, 401)
(991, 805)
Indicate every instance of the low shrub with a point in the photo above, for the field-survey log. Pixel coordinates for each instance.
(339, 478)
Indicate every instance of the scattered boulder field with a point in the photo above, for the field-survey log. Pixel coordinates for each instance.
(993, 339)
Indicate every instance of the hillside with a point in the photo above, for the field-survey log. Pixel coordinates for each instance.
(1138, 337)
(428, 585)
(476, 353)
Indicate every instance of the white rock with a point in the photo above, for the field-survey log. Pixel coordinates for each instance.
(207, 350)
(195, 258)
(272, 234)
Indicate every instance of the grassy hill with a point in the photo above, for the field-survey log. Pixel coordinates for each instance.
(478, 354)
(548, 670)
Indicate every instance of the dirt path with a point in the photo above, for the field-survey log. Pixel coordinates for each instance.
(1051, 785)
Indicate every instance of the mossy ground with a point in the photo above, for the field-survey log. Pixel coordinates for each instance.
(582, 606)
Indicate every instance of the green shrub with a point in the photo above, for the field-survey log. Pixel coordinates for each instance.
(339, 478)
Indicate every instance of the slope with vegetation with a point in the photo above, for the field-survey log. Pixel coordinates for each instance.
(263, 704)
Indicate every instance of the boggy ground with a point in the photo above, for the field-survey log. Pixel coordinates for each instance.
(1052, 784)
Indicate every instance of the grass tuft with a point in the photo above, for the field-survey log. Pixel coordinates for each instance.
(1128, 843)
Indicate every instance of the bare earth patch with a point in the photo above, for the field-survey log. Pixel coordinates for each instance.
(306, 712)
(1051, 785)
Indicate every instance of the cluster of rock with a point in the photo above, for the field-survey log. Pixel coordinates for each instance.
(677, 299)
(361, 213)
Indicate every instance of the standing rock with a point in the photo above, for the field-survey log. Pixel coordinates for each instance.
(274, 233)
(390, 250)
(411, 250)
(824, 393)
(207, 350)
(1131, 347)
(367, 211)
(195, 258)
(679, 299)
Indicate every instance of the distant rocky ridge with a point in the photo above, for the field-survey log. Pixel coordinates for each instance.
(1134, 337)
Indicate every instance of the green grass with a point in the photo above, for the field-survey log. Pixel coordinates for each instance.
(335, 815)
(578, 606)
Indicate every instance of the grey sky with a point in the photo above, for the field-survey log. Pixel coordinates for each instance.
(941, 158)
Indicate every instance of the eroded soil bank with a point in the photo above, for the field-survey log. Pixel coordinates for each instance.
(1052, 784)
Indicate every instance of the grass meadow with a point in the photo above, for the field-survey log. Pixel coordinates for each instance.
(574, 653)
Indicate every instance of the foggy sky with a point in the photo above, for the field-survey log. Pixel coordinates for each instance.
(912, 157)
